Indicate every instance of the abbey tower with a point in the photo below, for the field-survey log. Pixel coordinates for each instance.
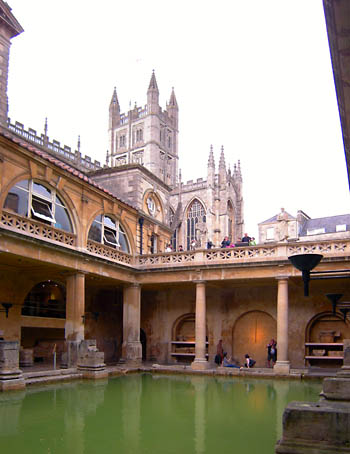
(142, 168)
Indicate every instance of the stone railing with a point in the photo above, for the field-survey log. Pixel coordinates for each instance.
(54, 147)
(248, 254)
(30, 227)
(109, 253)
(201, 257)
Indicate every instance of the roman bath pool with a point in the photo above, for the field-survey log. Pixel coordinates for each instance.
(153, 414)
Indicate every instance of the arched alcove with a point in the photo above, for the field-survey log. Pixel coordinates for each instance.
(184, 338)
(324, 337)
(251, 334)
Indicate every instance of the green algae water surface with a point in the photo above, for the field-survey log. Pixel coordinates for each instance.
(153, 414)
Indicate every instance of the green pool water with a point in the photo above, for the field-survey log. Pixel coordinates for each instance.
(153, 414)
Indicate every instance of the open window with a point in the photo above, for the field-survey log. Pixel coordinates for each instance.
(110, 232)
(34, 200)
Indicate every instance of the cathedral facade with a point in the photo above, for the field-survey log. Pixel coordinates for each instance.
(143, 169)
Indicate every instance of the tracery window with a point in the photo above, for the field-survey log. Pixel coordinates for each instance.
(195, 215)
(110, 232)
(34, 200)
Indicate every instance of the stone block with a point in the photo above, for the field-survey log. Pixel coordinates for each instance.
(26, 357)
(315, 427)
(70, 357)
(336, 389)
(91, 361)
(10, 374)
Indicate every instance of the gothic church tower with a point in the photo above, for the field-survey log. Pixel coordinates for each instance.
(146, 135)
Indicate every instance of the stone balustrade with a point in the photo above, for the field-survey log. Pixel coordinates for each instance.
(247, 254)
(30, 227)
(201, 257)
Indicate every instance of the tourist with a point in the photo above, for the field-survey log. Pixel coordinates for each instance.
(249, 362)
(225, 242)
(219, 353)
(252, 242)
(228, 363)
(209, 244)
(168, 248)
(181, 248)
(246, 238)
(271, 352)
(193, 244)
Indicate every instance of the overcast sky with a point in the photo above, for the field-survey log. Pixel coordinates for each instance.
(254, 76)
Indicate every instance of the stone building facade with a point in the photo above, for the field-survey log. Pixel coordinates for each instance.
(75, 263)
(143, 170)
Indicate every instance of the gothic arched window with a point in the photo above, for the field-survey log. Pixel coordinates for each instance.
(110, 232)
(195, 215)
(34, 200)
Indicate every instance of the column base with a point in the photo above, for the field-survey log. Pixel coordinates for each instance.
(282, 368)
(200, 364)
(344, 372)
(94, 374)
(132, 353)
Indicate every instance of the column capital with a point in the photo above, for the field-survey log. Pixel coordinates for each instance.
(132, 285)
(282, 277)
(199, 281)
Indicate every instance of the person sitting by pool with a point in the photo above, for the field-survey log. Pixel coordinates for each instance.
(249, 362)
(227, 363)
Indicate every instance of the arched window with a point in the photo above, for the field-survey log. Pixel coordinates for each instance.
(195, 215)
(34, 200)
(110, 232)
(46, 299)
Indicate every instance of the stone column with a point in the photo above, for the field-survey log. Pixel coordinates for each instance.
(131, 348)
(75, 307)
(282, 366)
(200, 362)
(75, 310)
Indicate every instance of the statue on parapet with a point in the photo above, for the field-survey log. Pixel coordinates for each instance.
(282, 219)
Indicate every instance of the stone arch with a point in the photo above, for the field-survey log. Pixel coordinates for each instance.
(158, 208)
(45, 299)
(124, 229)
(251, 333)
(58, 201)
(322, 325)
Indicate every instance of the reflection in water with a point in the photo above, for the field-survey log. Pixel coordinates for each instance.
(141, 414)
(200, 386)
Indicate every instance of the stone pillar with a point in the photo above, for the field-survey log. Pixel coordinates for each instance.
(345, 369)
(282, 366)
(200, 361)
(75, 307)
(10, 375)
(131, 348)
(75, 310)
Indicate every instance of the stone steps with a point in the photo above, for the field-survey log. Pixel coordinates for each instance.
(50, 376)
